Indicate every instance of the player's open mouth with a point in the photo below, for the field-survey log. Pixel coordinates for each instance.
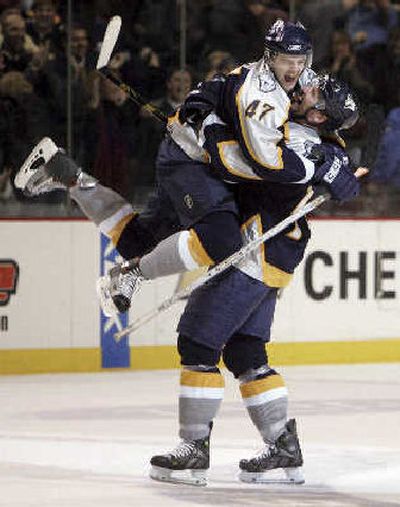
(290, 80)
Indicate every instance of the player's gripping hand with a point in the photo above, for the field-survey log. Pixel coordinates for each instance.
(201, 101)
(335, 174)
(194, 110)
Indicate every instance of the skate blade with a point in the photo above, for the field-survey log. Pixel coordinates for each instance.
(104, 295)
(40, 155)
(282, 476)
(190, 477)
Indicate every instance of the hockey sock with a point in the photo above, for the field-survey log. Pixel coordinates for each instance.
(180, 252)
(266, 400)
(107, 209)
(200, 397)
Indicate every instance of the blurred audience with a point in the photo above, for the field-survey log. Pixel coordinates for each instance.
(151, 131)
(219, 62)
(48, 85)
(46, 28)
(17, 49)
(110, 137)
(341, 60)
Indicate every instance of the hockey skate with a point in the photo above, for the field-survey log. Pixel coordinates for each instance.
(284, 454)
(186, 464)
(116, 289)
(48, 168)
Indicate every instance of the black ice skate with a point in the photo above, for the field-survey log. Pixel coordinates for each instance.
(48, 168)
(186, 464)
(284, 454)
(116, 289)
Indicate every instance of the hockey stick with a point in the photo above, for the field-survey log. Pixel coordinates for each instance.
(230, 261)
(233, 259)
(107, 46)
(185, 137)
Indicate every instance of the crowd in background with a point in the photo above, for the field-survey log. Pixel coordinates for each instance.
(48, 85)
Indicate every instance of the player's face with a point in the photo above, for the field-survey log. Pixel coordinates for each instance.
(287, 69)
(305, 100)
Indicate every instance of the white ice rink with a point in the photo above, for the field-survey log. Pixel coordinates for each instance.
(85, 440)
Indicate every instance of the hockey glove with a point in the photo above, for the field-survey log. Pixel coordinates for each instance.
(336, 175)
(201, 101)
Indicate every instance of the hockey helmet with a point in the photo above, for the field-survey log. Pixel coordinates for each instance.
(288, 38)
(337, 102)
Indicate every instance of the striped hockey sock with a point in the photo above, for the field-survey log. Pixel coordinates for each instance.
(200, 397)
(266, 400)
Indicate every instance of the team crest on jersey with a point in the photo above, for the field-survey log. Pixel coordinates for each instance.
(9, 272)
(350, 103)
(188, 200)
(266, 83)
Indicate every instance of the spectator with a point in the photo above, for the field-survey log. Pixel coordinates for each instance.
(341, 60)
(23, 121)
(52, 84)
(150, 132)
(111, 131)
(17, 49)
(369, 23)
(219, 62)
(155, 25)
(45, 28)
(319, 17)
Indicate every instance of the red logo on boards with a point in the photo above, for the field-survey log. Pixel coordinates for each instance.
(9, 272)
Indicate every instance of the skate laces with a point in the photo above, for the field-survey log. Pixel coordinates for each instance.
(265, 453)
(129, 283)
(184, 449)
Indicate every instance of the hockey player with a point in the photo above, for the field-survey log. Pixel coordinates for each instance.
(242, 123)
(231, 317)
(251, 105)
(245, 307)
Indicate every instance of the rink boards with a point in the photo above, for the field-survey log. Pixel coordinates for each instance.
(343, 305)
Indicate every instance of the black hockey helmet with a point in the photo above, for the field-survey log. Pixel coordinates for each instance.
(337, 102)
(288, 38)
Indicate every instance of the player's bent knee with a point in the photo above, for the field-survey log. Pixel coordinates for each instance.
(219, 234)
(193, 353)
(244, 353)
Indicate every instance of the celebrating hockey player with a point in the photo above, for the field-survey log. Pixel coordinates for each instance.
(232, 316)
(194, 197)
(251, 105)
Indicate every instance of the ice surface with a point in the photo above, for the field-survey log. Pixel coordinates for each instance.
(86, 440)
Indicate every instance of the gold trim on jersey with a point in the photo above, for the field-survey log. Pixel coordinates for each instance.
(271, 275)
(173, 118)
(235, 172)
(198, 251)
(286, 131)
(335, 137)
(236, 71)
(117, 230)
(296, 233)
